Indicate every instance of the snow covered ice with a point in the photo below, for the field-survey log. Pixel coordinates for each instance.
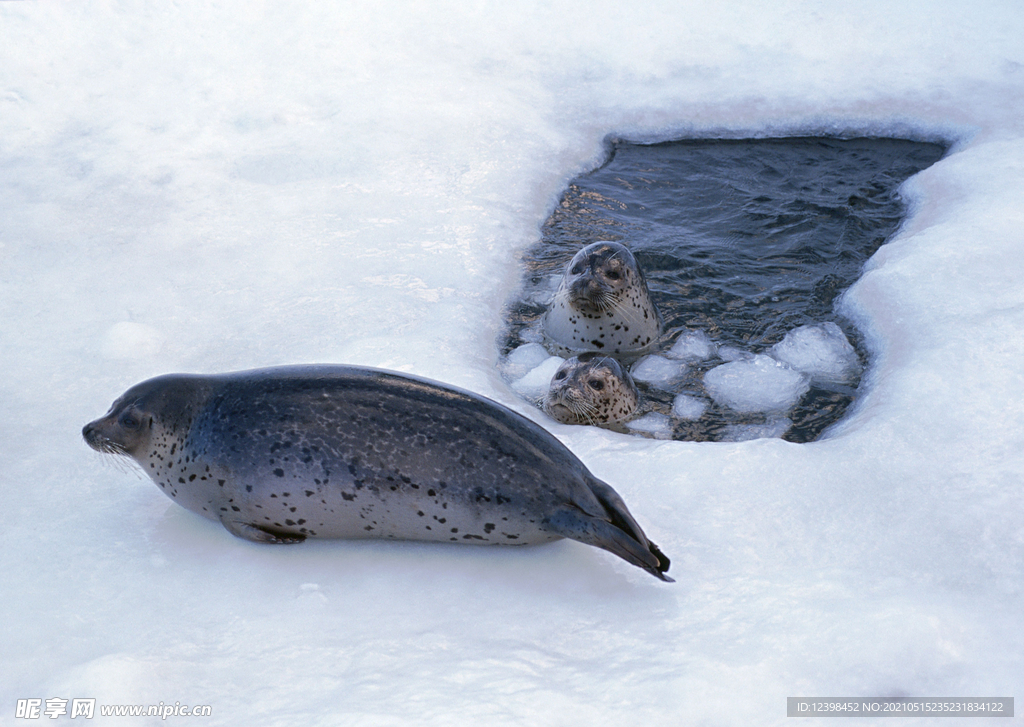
(131, 340)
(251, 184)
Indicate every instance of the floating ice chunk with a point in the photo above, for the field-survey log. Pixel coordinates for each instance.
(759, 384)
(131, 340)
(692, 346)
(653, 423)
(658, 371)
(731, 353)
(525, 358)
(535, 384)
(688, 407)
(821, 351)
(771, 429)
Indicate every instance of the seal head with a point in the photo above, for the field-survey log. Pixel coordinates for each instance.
(281, 455)
(592, 389)
(603, 304)
(153, 424)
(146, 415)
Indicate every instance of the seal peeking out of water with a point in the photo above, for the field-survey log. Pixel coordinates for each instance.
(592, 389)
(603, 304)
(279, 455)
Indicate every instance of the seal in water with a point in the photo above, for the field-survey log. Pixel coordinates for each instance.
(603, 304)
(592, 389)
(278, 455)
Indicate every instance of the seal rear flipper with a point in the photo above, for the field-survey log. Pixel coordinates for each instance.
(605, 535)
(617, 511)
(259, 534)
(620, 517)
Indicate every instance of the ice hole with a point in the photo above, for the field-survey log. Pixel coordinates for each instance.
(746, 246)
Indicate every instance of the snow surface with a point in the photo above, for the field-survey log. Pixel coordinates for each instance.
(215, 186)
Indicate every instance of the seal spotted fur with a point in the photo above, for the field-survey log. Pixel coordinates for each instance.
(279, 455)
(603, 304)
(592, 389)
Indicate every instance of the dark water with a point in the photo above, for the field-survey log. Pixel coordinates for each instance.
(745, 240)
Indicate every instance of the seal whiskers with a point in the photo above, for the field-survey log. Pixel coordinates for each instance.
(582, 409)
(572, 400)
(629, 314)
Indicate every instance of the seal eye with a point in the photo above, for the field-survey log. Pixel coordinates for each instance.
(613, 275)
(577, 269)
(560, 375)
(596, 384)
(128, 421)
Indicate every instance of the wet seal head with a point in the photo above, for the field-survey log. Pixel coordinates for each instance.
(603, 304)
(592, 389)
(284, 454)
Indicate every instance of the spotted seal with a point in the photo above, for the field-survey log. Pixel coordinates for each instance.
(592, 389)
(603, 304)
(283, 454)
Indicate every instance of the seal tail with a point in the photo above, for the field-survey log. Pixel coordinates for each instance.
(617, 532)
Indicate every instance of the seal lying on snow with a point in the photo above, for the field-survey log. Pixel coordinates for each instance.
(278, 455)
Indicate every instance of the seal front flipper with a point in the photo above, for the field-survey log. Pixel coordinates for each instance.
(579, 526)
(258, 534)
